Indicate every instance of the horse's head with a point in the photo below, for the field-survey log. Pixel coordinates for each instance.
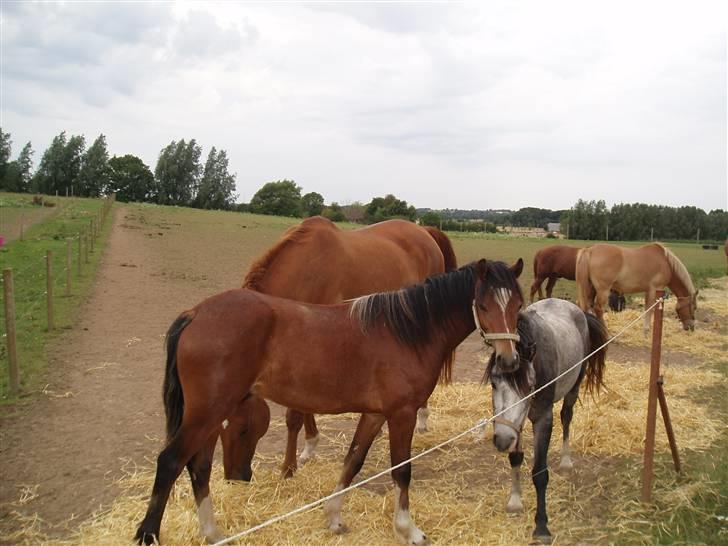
(507, 390)
(496, 304)
(240, 434)
(685, 308)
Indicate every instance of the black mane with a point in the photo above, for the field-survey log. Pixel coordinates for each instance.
(411, 313)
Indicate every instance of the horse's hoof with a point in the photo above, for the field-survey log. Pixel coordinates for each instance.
(214, 538)
(145, 537)
(288, 472)
(514, 508)
(303, 460)
(541, 538)
(566, 465)
(421, 429)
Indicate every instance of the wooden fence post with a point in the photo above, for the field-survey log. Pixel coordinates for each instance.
(49, 288)
(649, 455)
(80, 253)
(91, 234)
(68, 267)
(85, 245)
(14, 383)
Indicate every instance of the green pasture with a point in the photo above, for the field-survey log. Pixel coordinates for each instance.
(27, 259)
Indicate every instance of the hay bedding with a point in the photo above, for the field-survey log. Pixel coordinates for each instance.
(458, 493)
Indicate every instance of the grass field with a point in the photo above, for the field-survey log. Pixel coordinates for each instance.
(27, 258)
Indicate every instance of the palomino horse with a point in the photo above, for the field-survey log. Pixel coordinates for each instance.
(555, 334)
(380, 356)
(316, 262)
(553, 262)
(648, 268)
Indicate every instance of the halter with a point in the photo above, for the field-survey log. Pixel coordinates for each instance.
(487, 338)
(501, 421)
(681, 299)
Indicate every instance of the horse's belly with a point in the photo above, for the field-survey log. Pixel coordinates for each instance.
(566, 383)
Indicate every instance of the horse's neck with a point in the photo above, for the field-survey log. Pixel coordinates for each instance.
(677, 287)
(460, 326)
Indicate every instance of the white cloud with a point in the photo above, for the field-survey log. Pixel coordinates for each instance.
(534, 104)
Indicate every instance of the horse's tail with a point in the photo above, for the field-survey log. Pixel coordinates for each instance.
(443, 241)
(174, 401)
(583, 284)
(598, 336)
(451, 264)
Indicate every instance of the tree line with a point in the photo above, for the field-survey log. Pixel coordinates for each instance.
(68, 167)
(592, 220)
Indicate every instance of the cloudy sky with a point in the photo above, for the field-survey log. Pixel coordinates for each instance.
(460, 105)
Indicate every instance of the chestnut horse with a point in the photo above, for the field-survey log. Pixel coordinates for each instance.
(380, 355)
(553, 262)
(316, 262)
(648, 268)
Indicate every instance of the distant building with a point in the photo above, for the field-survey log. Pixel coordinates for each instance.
(553, 227)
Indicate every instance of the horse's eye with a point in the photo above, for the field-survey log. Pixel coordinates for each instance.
(481, 307)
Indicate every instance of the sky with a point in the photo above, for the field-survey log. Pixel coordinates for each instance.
(447, 105)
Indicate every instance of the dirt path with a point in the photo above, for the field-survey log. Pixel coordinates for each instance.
(102, 407)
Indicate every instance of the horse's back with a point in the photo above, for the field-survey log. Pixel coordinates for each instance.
(562, 338)
(628, 270)
(558, 260)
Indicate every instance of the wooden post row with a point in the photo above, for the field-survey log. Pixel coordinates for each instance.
(49, 288)
(13, 372)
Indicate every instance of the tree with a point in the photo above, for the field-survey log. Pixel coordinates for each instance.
(95, 175)
(177, 173)
(131, 179)
(383, 208)
(60, 165)
(17, 175)
(281, 198)
(334, 212)
(312, 204)
(217, 184)
(355, 212)
(431, 218)
(5, 149)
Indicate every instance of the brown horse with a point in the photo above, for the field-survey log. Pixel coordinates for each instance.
(553, 262)
(380, 356)
(628, 270)
(316, 262)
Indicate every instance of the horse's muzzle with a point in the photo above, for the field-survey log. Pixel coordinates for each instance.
(504, 442)
(507, 364)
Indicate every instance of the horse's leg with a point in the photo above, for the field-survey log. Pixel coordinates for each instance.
(536, 287)
(550, 285)
(540, 472)
(369, 425)
(567, 412)
(515, 504)
(422, 414)
(294, 422)
(312, 439)
(199, 468)
(600, 300)
(188, 440)
(401, 429)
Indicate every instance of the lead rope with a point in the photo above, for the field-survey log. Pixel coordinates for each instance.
(479, 424)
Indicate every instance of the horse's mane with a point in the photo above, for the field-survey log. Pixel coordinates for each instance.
(678, 268)
(295, 234)
(526, 348)
(412, 313)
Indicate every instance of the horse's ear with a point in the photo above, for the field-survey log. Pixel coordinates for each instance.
(481, 268)
(517, 268)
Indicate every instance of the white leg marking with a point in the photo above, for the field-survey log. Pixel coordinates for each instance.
(309, 450)
(332, 510)
(422, 415)
(404, 527)
(515, 505)
(225, 424)
(208, 527)
(566, 463)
